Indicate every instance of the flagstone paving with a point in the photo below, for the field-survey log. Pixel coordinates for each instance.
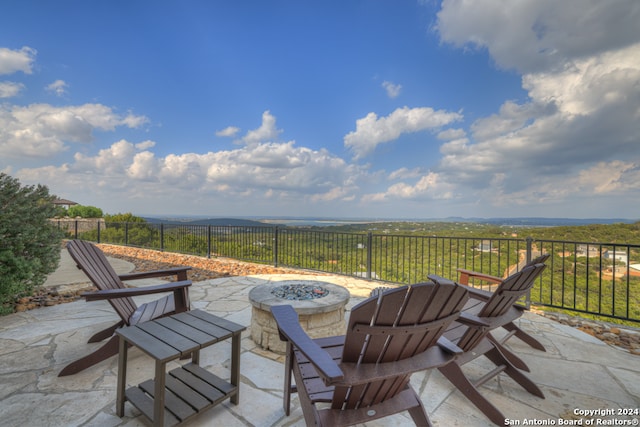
(577, 373)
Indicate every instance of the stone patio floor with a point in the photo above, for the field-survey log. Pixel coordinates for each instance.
(577, 373)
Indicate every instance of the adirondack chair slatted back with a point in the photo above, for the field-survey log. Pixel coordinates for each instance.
(503, 298)
(90, 259)
(399, 324)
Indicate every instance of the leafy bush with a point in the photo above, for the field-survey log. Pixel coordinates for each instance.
(29, 243)
(123, 217)
(84, 211)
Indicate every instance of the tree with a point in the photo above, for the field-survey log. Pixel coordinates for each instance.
(29, 242)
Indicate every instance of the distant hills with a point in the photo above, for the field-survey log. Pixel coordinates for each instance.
(209, 221)
(286, 221)
(543, 222)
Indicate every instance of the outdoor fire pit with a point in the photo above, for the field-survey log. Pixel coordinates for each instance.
(320, 307)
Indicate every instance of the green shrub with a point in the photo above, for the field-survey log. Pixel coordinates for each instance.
(29, 243)
(84, 211)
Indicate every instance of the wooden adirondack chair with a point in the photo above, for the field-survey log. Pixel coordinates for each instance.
(480, 297)
(472, 333)
(92, 261)
(365, 375)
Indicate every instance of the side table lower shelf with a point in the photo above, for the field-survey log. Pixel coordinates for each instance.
(189, 390)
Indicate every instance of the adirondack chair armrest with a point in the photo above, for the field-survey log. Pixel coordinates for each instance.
(476, 293)
(179, 272)
(449, 346)
(491, 323)
(364, 373)
(175, 287)
(473, 320)
(465, 275)
(290, 330)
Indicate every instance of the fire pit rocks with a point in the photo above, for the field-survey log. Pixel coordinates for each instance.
(320, 307)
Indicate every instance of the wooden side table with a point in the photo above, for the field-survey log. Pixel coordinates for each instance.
(190, 389)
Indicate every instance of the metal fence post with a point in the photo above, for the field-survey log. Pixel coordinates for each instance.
(527, 300)
(275, 246)
(162, 237)
(369, 252)
(208, 241)
(98, 223)
(76, 229)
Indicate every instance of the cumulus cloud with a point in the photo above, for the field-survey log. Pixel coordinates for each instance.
(59, 87)
(281, 171)
(393, 90)
(267, 131)
(429, 186)
(372, 130)
(42, 130)
(577, 131)
(536, 35)
(12, 61)
(10, 89)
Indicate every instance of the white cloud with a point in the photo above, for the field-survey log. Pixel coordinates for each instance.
(393, 90)
(10, 89)
(41, 130)
(145, 145)
(589, 84)
(404, 173)
(428, 187)
(449, 134)
(59, 87)
(535, 35)
(278, 171)
(12, 61)
(372, 131)
(228, 131)
(267, 130)
(576, 135)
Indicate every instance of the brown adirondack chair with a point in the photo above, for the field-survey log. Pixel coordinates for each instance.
(365, 374)
(92, 261)
(472, 333)
(480, 297)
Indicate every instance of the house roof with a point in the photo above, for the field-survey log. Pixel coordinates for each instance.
(63, 202)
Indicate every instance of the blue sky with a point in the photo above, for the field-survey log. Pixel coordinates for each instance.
(377, 108)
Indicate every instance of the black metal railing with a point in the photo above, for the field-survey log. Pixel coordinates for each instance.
(585, 277)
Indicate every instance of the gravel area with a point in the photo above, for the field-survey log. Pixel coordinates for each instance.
(202, 268)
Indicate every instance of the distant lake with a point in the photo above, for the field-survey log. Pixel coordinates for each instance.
(314, 222)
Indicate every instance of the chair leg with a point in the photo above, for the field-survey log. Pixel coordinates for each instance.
(454, 373)
(106, 351)
(525, 337)
(419, 414)
(518, 376)
(288, 369)
(105, 333)
(508, 354)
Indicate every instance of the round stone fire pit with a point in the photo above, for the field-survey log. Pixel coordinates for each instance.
(320, 307)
